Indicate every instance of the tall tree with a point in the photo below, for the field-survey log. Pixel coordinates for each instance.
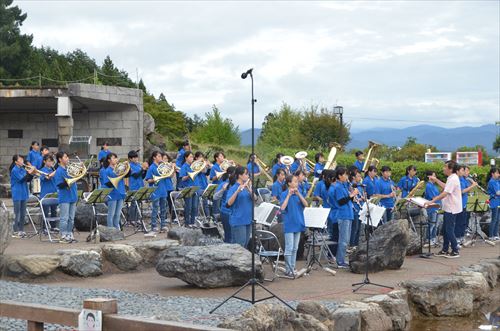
(281, 128)
(215, 129)
(496, 144)
(320, 127)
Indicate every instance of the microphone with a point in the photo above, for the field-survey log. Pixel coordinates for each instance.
(245, 74)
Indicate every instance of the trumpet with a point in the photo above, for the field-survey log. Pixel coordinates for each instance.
(36, 171)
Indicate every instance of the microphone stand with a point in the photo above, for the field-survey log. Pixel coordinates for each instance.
(252, 282)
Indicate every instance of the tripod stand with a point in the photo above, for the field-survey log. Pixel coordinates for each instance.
(366, 280)
(252, 282)
(476, 208)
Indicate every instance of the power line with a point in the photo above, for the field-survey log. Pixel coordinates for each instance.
(403, 120)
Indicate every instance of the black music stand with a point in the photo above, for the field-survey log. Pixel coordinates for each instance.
(366, 280)
(143, 194)
(208, 194)
(97, 196)
(476, 207)
(187, 192)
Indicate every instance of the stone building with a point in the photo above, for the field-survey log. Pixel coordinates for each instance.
(52, 115)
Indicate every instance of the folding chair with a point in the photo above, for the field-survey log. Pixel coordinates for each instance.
(46, 220)
(265, 194)
(33, 208)
(268, 239)
(177, 205)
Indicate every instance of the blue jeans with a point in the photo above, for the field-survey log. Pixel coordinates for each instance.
(191, 209)
(20, 215)
(114, 213)
(356, 224)
(241, 234)
(291, 246)
(216, 207)
(387, 216)
(227, 228)
(449, 232)
(461, 224)
(161, 204)
(344, 236)
(432, 228)
(67, 218)
(333, 231)
(495, 221)
(133, 212)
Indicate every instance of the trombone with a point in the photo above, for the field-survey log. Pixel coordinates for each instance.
(37, 172)
(264, 167)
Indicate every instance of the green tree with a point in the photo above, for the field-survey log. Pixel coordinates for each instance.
(110, 75)
(281, 128)
(168, 121)
(217, 130)
(496, 144)
(411, 150)
(320, 127)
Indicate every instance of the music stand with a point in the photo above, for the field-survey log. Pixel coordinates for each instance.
(187, 192)
(315, 219)
(97, 196)
(420, 203)
(476, 207)
(208, 194)
(143, 194)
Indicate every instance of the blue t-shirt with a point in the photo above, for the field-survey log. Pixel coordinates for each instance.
(293, 214)
(116, 193)
(213, 174)
(296, 165)
(103, 154)
(464, 183)
(256, 168)
(330, 196)
(35, 158)
(102, 177)
(318, 169)
(384, 186)
(278, 166)
(494, 192)
(47, 185)
(345, 211)
(359, 164)
(223, 201)
(304, 187)
(161, 185)
(201, 181)
(135, 183)
(241, 209)
(185, 170)
(65, 194)
(406, 184)
(276, 189)
(18, 184)
(371, 186)
(179, 161)
(317, 188)
(431, 191)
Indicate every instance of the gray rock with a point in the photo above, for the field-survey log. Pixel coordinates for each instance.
(148, 124)
(5, 229)
(347, 319)
(81, 263)
(220, 266)
(157, 140)
(488, 270)
(442, 296)
(149, 250)
(5, 191)
(476, 282)
(395, 308)
(110, 233)
(29, 266)
(266, 317)
(192, 237)
(318, 311)
(125, 257)
(388, 245)
(413, 247)
(4, 175)
(84, 216)
(373, 318)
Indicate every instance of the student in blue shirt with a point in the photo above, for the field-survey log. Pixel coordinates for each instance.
(494, 193)
(279, 182)
(356, 180)
(327, 194)
(462, 218)
(179, 161)
(240, 202)
(190, 203)
(359, 163)
(102, 175)
(135, 182)
(169, 186)
(409, 181)
(34, 157)
(68, 196)
(103, 153)
(303, 184)
(256, 168)
(297, 164)
(278, 165)
(344, 213)
(219, 157)
(159, 196)
(117, 195)
(431, 191)
(370, 181)
(221, 196)
(386, 190)
(19, 179)
(202, 182)
(292, 210)
(320, 164)
(48, 185)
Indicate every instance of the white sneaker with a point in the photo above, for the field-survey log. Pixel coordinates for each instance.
(496, 238)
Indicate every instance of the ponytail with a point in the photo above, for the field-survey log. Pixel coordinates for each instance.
(15, 157)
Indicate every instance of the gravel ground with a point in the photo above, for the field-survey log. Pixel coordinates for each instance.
(185, 309)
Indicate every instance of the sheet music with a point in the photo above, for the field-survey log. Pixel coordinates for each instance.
(419, 201)
(265, 213)
(316, 217)
(376, 214)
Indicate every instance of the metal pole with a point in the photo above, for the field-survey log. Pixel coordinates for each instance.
(253, 192)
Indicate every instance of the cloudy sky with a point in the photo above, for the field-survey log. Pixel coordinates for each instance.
(389, 64)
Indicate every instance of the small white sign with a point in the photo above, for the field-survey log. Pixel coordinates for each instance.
(90, 320)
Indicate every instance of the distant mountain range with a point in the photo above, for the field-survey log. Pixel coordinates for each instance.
(443, 138)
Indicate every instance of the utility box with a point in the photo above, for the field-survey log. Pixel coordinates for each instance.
(437, 157)
(470, 158)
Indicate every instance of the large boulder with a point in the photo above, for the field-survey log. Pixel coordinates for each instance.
(219, 266)
(373, 317)
(442, 296)
(487, 269)
(84, 216)
(413, 247)
(157, 140)
(148, 124)
(395, 307)
(149, 250)
(125, 257)
(29, 266)
(192, 237)
(348, 319)
(107, 233)
(5, 229)
(80, 263)
(264, 317)
(476, 282)
(387, 248)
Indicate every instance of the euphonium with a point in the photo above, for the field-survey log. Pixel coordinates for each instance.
(197, 167)
(165, 170)
(370, 160)
(224, 166)
(121, 170)
(75, 170)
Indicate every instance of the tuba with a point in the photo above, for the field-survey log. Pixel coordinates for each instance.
(75, 170)
(197, 167)
(370, 160)
(121, 170)
(165, 170)
(331, 164)
(224, 166)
